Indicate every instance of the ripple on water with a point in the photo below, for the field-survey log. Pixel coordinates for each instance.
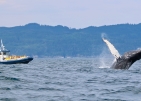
(9, 78)
(74, 79)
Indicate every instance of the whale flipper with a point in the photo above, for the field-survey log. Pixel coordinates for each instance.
(112, 49)
(124, 61)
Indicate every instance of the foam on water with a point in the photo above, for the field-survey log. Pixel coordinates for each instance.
(105, 59)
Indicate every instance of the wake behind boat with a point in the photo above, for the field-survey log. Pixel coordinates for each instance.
(6, 58)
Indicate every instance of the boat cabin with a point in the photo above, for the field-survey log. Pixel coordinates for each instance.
(3, 52)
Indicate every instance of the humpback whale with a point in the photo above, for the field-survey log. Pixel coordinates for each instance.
(123, 61)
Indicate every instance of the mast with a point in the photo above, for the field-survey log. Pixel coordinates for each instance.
(2, 46)
(3, 52)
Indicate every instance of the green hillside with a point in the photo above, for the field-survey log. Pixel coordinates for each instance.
(43, 40)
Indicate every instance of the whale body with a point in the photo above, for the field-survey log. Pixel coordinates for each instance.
(124, 61)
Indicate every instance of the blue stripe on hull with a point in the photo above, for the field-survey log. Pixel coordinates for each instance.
(21, 61)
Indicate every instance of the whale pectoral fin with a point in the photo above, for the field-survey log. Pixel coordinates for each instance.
(112, 49)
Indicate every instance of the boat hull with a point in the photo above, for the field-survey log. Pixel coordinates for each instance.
(18, 61)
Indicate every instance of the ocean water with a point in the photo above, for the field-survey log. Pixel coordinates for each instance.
(69, 79)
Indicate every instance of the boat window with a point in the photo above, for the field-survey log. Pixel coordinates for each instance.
(4, 53)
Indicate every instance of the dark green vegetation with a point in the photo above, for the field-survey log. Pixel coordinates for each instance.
(43, 40)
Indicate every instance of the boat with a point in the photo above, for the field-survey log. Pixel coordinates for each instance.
(6, 58)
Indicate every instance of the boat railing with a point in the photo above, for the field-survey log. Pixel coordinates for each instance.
(14, 57)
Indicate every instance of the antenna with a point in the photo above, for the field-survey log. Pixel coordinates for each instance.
(2, 46)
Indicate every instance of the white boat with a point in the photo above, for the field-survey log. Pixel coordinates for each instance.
(6, 58)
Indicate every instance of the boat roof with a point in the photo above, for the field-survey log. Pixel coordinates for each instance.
(4, 50)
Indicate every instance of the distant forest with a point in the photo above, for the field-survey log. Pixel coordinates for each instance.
(43, 40)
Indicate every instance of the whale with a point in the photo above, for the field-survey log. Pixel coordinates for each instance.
(123, 61)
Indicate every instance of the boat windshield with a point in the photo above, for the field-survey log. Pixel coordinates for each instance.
(4, 53)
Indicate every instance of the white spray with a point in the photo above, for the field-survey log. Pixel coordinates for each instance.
(106, 61)
(105, 58)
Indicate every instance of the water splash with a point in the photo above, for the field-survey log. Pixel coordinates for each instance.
(105, 56)
(104, 36)
(105, 59)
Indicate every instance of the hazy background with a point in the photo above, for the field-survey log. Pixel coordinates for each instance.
(71, 13)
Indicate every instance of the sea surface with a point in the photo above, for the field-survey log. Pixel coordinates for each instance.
(69, 79)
